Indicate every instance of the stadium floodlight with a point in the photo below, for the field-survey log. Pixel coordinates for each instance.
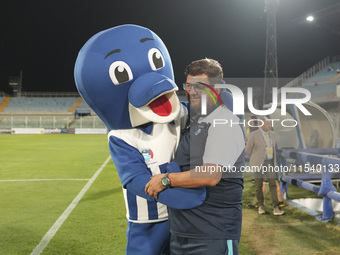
(310, 18)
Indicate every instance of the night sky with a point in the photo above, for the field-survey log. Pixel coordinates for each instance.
(43, 37)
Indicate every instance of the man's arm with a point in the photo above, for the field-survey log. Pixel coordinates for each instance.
(202, 176)
(250, 144)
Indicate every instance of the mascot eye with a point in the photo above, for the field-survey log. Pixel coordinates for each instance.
(120, 72)
(156, 59)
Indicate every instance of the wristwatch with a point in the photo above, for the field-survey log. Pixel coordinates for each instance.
(166, 181)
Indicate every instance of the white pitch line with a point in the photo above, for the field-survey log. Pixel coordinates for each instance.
(53, 230)
(42, 180)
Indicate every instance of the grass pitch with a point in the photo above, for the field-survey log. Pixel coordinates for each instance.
(40, 176)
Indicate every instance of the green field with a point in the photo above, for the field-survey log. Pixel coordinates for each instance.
(64, 164)
(42, 175)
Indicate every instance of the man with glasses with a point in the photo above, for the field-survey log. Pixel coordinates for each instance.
(210, 155)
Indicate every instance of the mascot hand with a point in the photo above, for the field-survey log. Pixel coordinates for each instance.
(173, 167)
(181, 198)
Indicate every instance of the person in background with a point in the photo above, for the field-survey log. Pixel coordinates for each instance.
(261, 150)
(251, 126)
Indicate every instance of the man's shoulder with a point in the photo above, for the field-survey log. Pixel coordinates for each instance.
(255, 133)
(221, 113)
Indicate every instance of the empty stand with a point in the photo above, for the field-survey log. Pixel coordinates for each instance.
(46, 112)
(40, 104)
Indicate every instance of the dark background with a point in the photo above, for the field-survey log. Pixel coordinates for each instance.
(42, 37)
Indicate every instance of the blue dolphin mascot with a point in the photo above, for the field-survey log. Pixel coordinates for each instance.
(125, 75)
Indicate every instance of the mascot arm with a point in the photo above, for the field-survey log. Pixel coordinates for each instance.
(131, 168)
(181, 198)
(134, 175)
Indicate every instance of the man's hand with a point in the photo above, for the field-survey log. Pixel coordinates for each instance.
(154, 186)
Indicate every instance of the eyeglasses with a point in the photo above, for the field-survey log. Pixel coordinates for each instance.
(198, 87)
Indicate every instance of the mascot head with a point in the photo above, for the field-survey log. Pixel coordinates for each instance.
(125, 75)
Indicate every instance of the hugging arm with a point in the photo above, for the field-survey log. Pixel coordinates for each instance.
(134, 175)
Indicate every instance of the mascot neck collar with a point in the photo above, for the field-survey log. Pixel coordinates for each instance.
(147, 128)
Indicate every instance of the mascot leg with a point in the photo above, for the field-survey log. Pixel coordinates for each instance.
(147, 238)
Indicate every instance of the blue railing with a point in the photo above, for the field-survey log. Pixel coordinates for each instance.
(323, 161)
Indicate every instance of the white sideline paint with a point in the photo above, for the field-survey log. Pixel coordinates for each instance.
(43, 180)
(53, 230)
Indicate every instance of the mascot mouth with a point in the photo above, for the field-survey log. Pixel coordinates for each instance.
(161, 106)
